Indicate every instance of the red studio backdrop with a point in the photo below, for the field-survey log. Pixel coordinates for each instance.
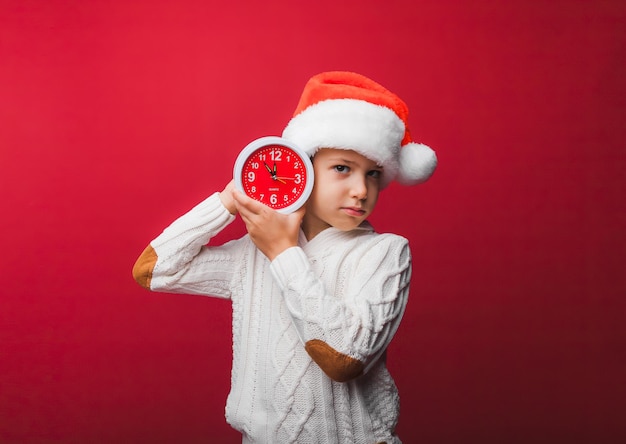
(118, 116)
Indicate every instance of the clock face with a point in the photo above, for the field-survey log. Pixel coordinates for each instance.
(276, 173)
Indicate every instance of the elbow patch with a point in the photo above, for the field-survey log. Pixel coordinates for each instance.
(142, 270)
(337, 366)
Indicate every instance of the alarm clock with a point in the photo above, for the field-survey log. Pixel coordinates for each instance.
(276, 172)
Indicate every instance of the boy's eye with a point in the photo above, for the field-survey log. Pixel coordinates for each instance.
(375, 174)
(341, 168)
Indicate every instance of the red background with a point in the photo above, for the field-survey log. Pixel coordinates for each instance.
(118, 116)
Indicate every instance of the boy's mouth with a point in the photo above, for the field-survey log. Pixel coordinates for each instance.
(354, 211)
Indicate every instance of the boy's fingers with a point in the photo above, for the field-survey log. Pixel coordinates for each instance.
(300, 211)
(247, 207)
(247, 204)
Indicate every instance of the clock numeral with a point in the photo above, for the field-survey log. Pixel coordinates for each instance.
(296, 165)
(262, 196)
(251, 176)
(255, 165)
(253, 189)
(276, 155)
(285, 197)
(273, 199)
(298, 179)
(294, 191)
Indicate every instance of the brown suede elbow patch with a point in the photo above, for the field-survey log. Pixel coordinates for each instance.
(337, 366)
(142, 270)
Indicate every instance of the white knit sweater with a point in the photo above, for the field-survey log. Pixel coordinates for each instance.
(344, 290)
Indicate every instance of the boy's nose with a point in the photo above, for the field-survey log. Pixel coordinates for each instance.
(359, 188)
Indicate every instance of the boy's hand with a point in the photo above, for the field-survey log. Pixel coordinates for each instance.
(271, 231)
(226, 196)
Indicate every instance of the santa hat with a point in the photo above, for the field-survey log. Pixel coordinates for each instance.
(349, 111)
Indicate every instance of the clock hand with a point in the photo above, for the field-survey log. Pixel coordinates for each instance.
(273, 173)
(276, 177)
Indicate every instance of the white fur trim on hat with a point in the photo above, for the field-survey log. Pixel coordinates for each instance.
(371, 130)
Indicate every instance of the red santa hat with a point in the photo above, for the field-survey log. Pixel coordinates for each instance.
(349, 111)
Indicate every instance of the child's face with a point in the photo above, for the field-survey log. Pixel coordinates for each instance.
(345, 191)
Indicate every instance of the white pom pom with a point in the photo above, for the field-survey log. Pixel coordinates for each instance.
(417, 163)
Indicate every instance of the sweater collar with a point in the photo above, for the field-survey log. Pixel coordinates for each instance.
(332, 231)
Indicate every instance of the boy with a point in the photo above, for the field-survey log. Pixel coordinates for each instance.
(317, 295)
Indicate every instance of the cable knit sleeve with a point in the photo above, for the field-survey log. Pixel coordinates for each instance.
(178, 260)
(346, 333)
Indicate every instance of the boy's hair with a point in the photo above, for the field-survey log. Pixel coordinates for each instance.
(346, 110)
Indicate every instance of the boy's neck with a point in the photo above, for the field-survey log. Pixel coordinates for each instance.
(311, 227)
